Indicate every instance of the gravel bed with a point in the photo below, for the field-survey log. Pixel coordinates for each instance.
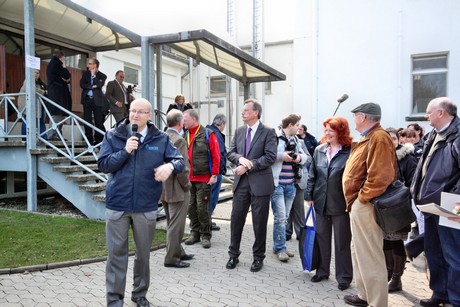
(56, 205)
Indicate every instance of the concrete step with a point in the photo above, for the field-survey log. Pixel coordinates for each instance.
(223, 196)
(93, 187)
(45, 151)
(73, 168)
(83, 177)
(56, 160)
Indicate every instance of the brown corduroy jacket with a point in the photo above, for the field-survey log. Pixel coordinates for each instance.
(370, 168)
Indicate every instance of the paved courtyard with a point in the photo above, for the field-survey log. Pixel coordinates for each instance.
(206, 283)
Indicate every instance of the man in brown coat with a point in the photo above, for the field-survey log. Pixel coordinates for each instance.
(176, 196)
(368, 172)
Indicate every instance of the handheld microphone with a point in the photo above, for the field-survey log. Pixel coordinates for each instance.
(134, 128)
(340, 100)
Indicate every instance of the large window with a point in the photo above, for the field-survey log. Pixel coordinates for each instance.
(131, 75)
(429, 79)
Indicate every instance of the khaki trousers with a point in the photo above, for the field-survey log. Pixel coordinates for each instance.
(369, 267)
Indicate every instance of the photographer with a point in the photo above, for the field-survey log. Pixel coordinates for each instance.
(287, 168)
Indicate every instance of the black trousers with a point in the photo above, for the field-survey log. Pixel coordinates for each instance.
(90, 111)
(260, 206)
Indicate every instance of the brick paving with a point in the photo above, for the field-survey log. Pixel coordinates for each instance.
(206, 283)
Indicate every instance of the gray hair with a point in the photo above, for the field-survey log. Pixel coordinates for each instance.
(174, 117)
(219, 120)
(373, 118)
(193, 113)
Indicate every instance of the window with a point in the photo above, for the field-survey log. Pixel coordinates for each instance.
(131, 75)
(218, 86)
(429, 79)
(268, 88)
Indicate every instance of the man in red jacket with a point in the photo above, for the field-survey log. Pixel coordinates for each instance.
(204, 157)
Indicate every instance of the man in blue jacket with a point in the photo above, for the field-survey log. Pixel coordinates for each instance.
(137, 164)
(438, 171)
(218, 126)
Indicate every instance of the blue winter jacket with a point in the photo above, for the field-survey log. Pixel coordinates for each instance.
(131, 185)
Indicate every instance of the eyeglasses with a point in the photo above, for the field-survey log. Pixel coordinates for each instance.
(140, 112)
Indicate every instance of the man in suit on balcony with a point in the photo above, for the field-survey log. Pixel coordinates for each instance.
(92, 99)
(118, 97)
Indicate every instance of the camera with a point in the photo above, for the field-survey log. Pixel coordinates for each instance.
(131, 89)
(297, 168)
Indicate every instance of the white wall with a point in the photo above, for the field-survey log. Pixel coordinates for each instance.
(329, 47)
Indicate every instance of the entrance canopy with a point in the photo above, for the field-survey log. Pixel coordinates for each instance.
(209, 49)
(67, 24)
(64, 23)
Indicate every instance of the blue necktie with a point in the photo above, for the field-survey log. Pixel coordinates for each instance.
(248, 141)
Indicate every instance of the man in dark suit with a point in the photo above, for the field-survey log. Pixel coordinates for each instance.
(118, 97)
(92, 99)
(253, 150)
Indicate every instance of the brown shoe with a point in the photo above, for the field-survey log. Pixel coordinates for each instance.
(354, 300)
(191, 240)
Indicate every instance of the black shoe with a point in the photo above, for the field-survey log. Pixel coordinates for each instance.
(343, 286)
(354, 300)
(214, 227)
(288, 237)
(178, 264)
(317, 278)
(140, 301)
(432, 302)
(257, 265)
(232, 262)
(187, 257)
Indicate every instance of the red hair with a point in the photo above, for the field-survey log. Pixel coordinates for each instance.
(339, 125)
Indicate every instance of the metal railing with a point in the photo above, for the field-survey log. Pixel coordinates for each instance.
(67, 148)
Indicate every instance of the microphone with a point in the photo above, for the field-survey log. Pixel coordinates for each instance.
(340, 100)
(134, 128)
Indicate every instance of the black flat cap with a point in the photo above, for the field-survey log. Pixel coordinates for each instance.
(368, 108)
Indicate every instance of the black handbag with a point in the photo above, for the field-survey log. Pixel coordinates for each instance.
(393, 209)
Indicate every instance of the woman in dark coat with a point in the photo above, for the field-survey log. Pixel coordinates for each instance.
(393, 243)
(58, 89)
(179, 104)
(324, 192)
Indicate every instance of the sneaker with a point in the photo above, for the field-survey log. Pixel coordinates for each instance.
(282, 256)
(206, 243)
(289, 254)
(214, 227)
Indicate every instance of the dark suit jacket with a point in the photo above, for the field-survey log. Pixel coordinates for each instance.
(262, 155)
(114, 93)
(85, 84)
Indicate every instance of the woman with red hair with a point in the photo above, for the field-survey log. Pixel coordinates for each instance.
(324, 192)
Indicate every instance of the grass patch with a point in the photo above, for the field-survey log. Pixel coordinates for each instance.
(30, 239)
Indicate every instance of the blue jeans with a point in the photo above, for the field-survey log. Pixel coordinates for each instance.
(215, 190)
(281, 199)
(441, 250)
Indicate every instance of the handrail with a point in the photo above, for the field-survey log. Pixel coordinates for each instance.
(75, 122)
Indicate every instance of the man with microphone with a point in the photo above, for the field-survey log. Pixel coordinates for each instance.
(137, 158)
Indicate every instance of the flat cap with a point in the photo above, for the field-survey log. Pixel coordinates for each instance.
(368, 108)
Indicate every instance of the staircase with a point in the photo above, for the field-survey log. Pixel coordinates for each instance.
(84, 190)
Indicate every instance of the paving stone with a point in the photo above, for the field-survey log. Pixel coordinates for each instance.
(206, 283)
